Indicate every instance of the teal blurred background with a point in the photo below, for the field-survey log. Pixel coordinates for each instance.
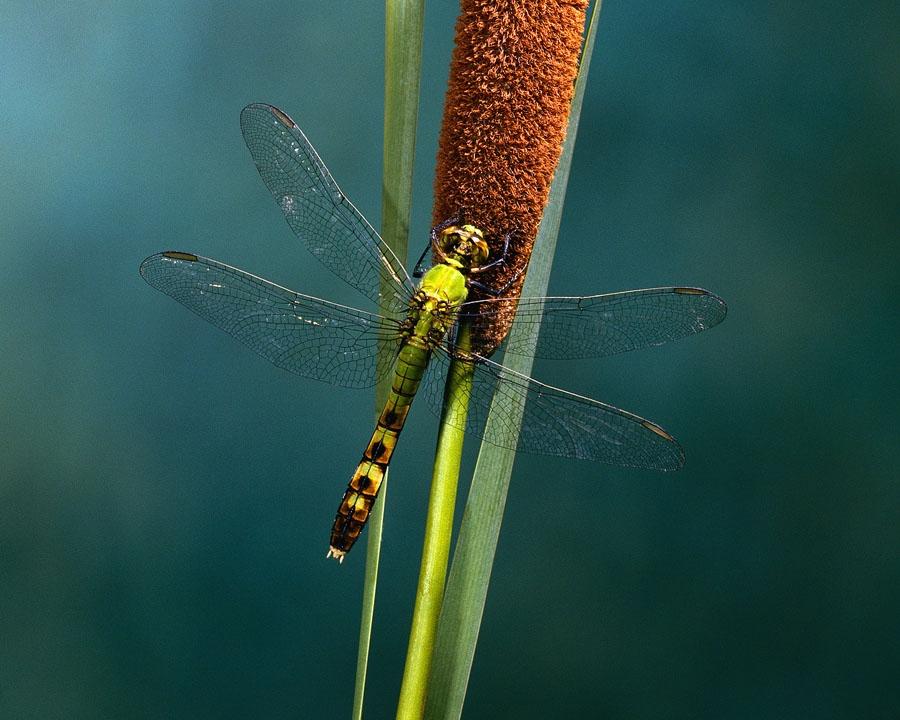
(167, 495)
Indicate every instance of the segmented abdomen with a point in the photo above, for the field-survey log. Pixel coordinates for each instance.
(365, 483)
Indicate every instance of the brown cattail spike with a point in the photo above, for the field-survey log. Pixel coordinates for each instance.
(511, 84)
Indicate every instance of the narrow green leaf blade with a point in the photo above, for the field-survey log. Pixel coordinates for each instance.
(402, 70)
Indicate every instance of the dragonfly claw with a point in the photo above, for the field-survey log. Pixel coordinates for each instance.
(336, 554)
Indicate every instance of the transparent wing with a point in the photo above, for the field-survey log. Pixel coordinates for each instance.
(554, 422)
(307, 336)
(318, 212)
(601, 325)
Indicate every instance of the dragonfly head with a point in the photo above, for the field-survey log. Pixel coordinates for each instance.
(462, 245)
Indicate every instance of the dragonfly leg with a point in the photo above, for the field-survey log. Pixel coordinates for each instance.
(419, 269)
(484, 288)
(500, 260)
(509, 283)
(455, 219)
(496, 292)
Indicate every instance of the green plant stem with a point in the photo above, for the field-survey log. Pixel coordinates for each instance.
(473, 557)
(438, 534)
(373, 557)
(402, 70)
(403, 25)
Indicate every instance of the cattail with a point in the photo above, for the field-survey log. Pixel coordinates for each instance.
(511, 84)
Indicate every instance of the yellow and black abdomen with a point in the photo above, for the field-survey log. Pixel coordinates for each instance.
(365, 483)
(432, 313)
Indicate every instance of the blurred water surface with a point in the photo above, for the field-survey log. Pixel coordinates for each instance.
(166, 495)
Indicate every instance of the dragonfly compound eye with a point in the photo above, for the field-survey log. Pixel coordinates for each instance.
(448, 236)
(480, 249)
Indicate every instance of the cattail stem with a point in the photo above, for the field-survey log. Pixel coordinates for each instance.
(438, 533)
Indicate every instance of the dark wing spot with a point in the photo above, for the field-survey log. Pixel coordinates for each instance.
(175, 255)
(653, 427)
(690, 291)
(283, 117)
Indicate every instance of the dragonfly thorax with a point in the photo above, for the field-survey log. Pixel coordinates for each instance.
(432, 310)
(462, 246)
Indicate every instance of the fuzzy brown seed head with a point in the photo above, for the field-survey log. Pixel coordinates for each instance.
(511, 84)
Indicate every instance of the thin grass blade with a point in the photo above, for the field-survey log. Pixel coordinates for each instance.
(402, 71)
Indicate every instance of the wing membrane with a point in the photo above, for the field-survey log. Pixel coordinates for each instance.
(318, 212)
(554, 422)
(601, 325)
(302, 334)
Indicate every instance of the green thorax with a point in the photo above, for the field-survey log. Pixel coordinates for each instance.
(434, 307)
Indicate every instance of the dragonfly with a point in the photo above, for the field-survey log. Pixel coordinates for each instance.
(414, 333)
